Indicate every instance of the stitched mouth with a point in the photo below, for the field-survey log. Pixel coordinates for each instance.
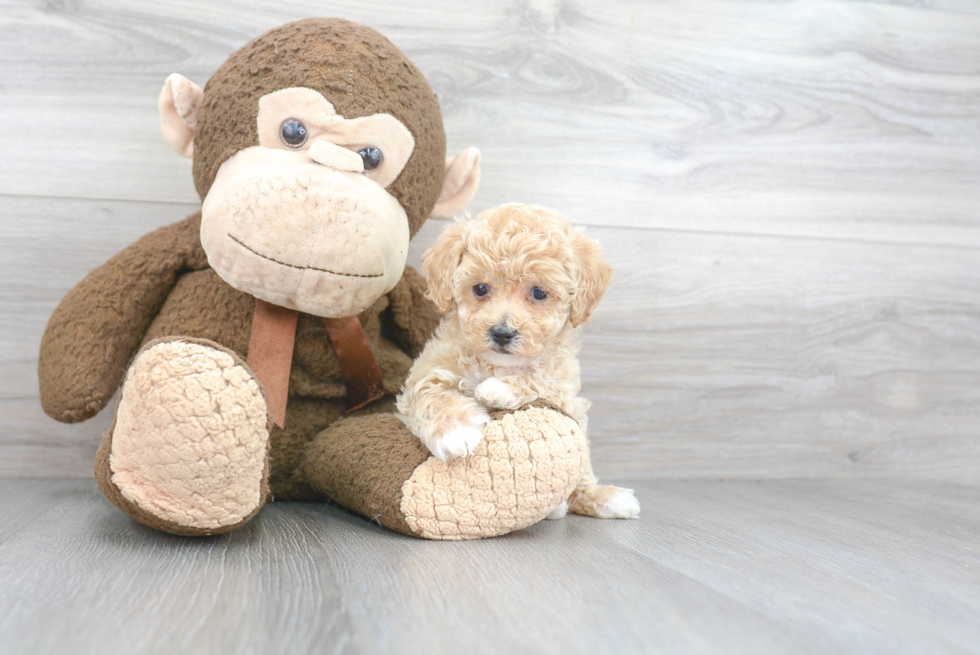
(302, 268)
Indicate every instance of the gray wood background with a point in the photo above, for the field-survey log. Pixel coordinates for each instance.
(787, 367)
(790, 192)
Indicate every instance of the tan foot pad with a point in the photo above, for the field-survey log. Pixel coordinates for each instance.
(526, 465)
(190, 438)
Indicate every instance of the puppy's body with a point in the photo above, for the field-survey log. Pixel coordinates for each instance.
(450, 386)
(514, 283)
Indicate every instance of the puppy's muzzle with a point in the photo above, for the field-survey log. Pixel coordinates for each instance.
(502, 335)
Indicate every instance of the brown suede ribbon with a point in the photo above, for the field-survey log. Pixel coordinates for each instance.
(362, 375)
(270, 356)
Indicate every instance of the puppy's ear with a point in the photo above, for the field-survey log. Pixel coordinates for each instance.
(439, 263)
(592, 277)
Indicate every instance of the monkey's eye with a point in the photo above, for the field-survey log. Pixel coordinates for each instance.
(480, 290)
(293, 133)
(538, 293)
(372, 157)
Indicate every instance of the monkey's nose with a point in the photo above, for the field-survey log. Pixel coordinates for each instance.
(502, 335)
(330, 154)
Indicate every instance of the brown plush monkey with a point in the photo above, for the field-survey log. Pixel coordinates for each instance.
(318, 152)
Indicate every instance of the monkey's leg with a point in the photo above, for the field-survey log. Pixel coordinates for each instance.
(526, 464)
(187, 452)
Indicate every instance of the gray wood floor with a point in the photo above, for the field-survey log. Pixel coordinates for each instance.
(711, 567)
(790, 193)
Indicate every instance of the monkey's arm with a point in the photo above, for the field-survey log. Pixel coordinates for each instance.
(100, 323)
(410, 319)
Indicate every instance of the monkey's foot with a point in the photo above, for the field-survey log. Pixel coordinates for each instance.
(187, 452)
(527, 463)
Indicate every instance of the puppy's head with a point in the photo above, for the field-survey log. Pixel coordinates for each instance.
(516, 275)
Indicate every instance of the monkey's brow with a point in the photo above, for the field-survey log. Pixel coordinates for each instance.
(312, 268)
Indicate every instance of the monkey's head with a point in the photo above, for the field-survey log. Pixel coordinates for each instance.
(318, 151)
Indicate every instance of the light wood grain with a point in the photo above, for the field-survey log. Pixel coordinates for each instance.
(835, 119)
(778, 567)
(779, 357)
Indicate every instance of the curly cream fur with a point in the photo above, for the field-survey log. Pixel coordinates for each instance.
(463, 372)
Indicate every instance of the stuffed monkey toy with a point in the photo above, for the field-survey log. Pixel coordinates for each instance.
(257, 345)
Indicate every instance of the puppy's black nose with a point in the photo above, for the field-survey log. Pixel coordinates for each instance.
(502, 335)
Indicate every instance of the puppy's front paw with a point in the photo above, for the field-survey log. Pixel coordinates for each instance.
(497, 394)
(462, 440)
(459, 442)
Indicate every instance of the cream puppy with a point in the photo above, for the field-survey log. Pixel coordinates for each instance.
(513, 284)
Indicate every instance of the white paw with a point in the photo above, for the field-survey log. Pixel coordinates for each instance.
(496, 394)
(461, 441)
(559, 512)
(623, 505)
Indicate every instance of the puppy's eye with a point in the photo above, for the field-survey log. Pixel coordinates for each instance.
(372, 157)
(480, 290)
(538, 293)
(293, 133)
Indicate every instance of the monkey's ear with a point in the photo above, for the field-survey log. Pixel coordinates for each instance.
(439, 263)
(593, 277)
(460, 184)
(179, 103)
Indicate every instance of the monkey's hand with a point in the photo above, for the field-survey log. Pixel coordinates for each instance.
(509, 392)
(100, 323)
